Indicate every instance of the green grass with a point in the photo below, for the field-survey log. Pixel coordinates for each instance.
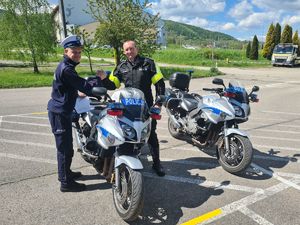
(203, 57)
(167, 71)
(23, 77)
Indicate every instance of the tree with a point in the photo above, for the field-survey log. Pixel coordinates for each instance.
(287, 33)
(122, 20)
(277, 34)
(296, 41)
(248, 49)
(27, 28)
(270, 43)
(296, 38)
(254, 49)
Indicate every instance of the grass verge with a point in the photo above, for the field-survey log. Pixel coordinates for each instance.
(23, 77)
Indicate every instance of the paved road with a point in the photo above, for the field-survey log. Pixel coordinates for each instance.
(195, 185)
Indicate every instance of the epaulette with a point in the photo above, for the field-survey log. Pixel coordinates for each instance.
(150, 61)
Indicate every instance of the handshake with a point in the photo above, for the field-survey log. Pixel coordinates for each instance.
(101, 73)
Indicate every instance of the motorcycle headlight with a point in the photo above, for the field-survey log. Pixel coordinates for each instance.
(238, 111)
(129, 132)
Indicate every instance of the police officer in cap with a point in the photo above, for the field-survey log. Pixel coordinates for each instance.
(65, 87)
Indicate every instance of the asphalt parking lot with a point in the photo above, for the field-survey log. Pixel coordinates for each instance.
(195, 190)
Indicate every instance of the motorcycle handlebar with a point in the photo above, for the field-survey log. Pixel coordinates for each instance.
(217, 90)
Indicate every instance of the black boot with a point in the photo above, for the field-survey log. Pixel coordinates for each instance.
(158, 168)
(75, 175)
(72, 186)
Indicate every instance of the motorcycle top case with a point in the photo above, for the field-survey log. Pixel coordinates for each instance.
(180, 81)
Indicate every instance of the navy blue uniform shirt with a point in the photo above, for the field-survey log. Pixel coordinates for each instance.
(66, 83)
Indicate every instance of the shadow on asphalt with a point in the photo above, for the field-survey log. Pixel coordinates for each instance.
(165, 199)
(269, 161)
(98, 186)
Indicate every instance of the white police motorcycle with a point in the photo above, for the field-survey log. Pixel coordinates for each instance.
(123, 124)
(207, 121)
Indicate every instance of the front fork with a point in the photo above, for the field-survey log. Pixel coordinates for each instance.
(226, 139)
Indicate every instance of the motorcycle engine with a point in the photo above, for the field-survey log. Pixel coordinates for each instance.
(86, 129)
(196, 124)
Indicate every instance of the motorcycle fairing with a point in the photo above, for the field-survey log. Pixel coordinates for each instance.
(132, 162)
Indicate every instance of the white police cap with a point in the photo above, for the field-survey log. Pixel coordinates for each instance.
(71, 41)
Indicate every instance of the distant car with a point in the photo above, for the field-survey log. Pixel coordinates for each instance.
(105, 47)
(188, 47)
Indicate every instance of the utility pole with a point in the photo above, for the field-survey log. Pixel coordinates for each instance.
(62, 10)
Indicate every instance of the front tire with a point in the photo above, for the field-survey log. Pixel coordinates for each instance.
(129, 199)
(175, 133)
(239, 157)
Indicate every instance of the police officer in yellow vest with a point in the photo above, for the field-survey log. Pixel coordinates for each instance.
(140, 72)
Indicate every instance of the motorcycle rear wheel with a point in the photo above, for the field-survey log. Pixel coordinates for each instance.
(175, 133)
(129, 199)
(239, 157)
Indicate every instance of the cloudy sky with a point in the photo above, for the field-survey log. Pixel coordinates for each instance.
(241, 19)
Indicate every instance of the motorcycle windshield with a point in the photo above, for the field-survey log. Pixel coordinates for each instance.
(135, 106)
(239, 90)
(135, 109)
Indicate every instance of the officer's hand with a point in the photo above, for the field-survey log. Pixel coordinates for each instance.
(101, 74)
(157, 106)
(81, 95)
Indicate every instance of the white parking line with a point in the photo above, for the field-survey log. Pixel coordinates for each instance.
(249, 200)
(277, 147)
(272, 174)
(275, 138)
(291, 175)
(205, 183)
(272, 119)
(257, 218)
(24, 123)
(26, 132)
(27, 158)
(278, 112)
(26, 143)
(29, 117)
(187, 147)
(272, 130)
(277, 158)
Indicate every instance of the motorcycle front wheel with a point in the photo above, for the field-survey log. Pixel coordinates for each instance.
(129, 199)
(239, 155)
(175, 133)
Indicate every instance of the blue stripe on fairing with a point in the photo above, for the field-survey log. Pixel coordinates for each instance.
(104, 131)
(214, 110)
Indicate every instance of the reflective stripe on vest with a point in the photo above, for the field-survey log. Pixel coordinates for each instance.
(114, 79)
(158, 76)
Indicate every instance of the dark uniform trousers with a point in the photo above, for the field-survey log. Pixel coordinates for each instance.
(153, 142)
(61, 125)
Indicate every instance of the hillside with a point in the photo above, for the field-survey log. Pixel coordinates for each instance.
(180, 33)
